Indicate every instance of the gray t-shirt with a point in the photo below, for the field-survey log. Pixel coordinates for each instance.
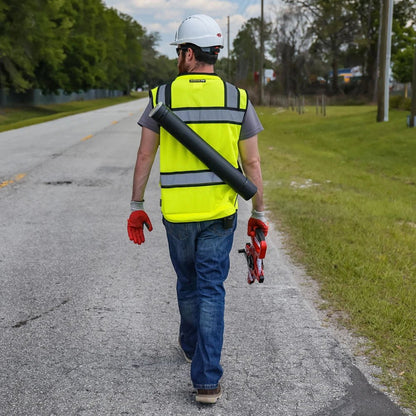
(250, 127)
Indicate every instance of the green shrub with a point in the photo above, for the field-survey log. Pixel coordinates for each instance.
(400, 103)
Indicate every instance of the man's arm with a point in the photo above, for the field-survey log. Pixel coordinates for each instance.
(144, 162)
(145, 157)
(250, 160)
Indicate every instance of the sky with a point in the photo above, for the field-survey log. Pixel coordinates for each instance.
(164, 16)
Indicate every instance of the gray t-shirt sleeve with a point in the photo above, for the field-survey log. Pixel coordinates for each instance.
(250, 127)
(251, 123)
(148, 122)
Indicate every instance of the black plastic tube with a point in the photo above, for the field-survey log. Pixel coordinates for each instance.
(203, 151)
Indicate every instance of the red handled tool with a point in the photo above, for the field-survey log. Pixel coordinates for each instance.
(255, 253)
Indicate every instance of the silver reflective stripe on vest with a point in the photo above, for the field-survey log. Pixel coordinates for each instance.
(210, 115)
(232, 96)
(181, 179)
(161, 94)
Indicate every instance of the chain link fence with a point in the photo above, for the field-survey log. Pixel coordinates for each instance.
(37, 97)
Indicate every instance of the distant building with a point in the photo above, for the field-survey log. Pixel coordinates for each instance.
(269, 75)
(348, 73)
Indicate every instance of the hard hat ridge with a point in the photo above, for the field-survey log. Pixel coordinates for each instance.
(201, 30)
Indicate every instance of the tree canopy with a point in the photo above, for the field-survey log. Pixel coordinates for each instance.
(76, 45)
(73, 45)
(313, 39)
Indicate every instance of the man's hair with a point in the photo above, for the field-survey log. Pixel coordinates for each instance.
(207, 55)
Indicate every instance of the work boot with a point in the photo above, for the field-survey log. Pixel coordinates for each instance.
(208, 396)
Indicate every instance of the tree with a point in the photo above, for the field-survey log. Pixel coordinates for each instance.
(403, 64)
(403, 50)
(32, 33)
(366, 41)
(364, 48)
(133, 50)
(348, 33)
(75, 45)
(48, 51)
(246, 49)
(225, 68)
(155, 69)
(289, 48)
(332, 28)
(413, 107)
(85, 47)
(405, 46)
(162, 69)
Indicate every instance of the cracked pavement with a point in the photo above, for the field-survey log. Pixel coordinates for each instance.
(89, 320)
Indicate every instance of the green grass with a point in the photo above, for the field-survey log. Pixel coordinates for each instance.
(13, 118)
(343, 188)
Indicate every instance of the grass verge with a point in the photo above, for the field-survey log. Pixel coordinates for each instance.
(343, 188)
(16, 117)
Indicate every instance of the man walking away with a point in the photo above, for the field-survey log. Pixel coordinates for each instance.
(199, 210)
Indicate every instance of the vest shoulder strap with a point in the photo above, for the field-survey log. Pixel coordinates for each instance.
(232, 95)
(164, 94)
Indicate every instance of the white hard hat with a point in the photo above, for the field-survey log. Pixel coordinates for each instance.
(201, 30)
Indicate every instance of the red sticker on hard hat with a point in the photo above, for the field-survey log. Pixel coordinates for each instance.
(219, 35)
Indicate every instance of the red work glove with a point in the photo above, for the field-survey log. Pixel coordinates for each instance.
(257, 220)
(135, 226)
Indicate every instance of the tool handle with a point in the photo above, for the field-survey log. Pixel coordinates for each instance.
(259, 243)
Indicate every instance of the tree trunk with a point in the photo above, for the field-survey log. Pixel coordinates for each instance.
(335, 87)
(413, 108)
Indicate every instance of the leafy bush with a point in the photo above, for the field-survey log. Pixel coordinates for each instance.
(400, 103)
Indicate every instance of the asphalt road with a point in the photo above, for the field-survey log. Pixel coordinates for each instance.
(89, 322)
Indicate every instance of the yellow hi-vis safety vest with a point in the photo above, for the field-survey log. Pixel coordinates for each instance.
(215, 110)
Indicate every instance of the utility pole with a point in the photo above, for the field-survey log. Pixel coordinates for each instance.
(384, 64)
(261, 63)
(413, 108)
(375, 93)
(228, 49)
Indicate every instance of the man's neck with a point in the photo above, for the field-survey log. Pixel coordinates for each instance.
(202, 67)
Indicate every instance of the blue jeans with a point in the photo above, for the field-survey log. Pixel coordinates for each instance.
(199, 252)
